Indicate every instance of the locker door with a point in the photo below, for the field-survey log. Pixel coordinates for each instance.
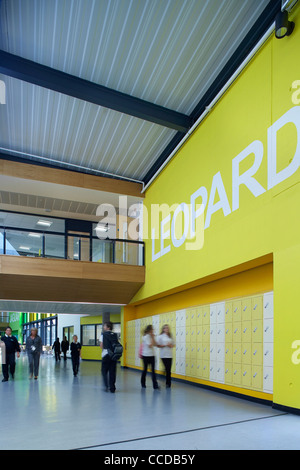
(257, 331)
(199, 316)
(237, 332)
(236, 311)
(213, 314)
(257, 381)
(257, 308)
(228, 353)
(228, 373)
(220, 312)
(228, 312)
(268, 354)
(246, 375)
(206, 315)
(268, 305)
(257, 354)
(268, 379)
(237, 353)
(246, 353)
(236, 374)
(193, 316)
(228, 333)
(268, 330)
(246, 307)
(246, 331)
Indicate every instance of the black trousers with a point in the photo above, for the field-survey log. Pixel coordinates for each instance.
(10, 365)
(168, 364)
(75, 364)
(149, 360)
(108, 370)
(57, 355)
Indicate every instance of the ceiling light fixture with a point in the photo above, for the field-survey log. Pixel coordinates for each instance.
(45, 223)
(24, 248)
(34, 235)
(283, 27)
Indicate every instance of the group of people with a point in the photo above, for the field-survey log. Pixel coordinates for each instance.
(34, 349)
(164, 342)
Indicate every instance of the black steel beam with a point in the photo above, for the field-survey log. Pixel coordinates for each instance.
(56, 80)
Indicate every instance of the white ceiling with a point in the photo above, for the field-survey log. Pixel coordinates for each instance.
(167, 52)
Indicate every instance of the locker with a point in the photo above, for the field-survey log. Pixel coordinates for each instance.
(205, 316)
(228, 312)
(205, 351)
(205, 334)
(228, 373)
(268, 354)
(193, 334)
(237, 332)
(199, 353)
(220, 312)
(268, 330)
(199, 316)
(187, 333)
(257, 308)
(220, 332)
(246, 375)
(181, 334)
(257, 354)
(213, 352)
(257, 381)
(220, 352)
(246, 309)
(213, 314)
(213, 371)
(246, 353)
(268, 305)
(193, 317)
(205, 369)
(236, 311)
(228, 333)
(220, 372)
(257, 331)
(193, 352)
(246, 331)
(188, 317)
(236, 374)
(268, 379)
(213, 333)
(228, 353)
(237, 353)
(199, 369)
(198, 334)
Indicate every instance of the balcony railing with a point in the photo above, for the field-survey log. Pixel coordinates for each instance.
(35, 243)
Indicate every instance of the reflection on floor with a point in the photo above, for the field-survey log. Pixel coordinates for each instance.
(58, 411)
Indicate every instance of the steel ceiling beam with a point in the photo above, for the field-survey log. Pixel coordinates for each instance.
(61, 82)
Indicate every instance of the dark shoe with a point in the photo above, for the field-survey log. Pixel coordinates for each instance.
(4, 380)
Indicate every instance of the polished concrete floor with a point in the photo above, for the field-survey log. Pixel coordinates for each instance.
(60, 412)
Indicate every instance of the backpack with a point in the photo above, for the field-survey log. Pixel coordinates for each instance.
(113, 346)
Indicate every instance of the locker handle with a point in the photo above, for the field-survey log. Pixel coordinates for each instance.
(235, 330)
(254, 308)
(266, 329)
(226, 371)
(245, 330)
(235, 372)
(266, 376)
(255, 352)
(219, 332)
(227, 311)
(226, 351)
(267, 352)
(235, 351)
(266, 304)
(245, 308)
(245, 351)
(255, 329)
(219, 351)
(227, 330)
(235, 310)
(255, 374)
(244, 373)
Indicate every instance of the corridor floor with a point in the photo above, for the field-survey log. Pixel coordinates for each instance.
(60, 412)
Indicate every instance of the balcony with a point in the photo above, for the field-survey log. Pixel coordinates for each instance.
(68, 267)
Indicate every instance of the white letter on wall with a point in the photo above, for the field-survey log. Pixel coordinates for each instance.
(293, 115)
(246, 178)
(217, 185)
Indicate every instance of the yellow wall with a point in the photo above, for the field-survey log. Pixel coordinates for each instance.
(264, 224)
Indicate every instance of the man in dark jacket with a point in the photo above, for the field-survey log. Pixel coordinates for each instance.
(108, 366)
(11, 348)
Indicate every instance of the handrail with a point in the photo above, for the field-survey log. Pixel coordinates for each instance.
(65, 235)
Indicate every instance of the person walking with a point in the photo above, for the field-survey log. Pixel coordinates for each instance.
(75, 354)
(34, 349)
(109, 366)
(57, 351)
(11, 347)
(148, 356)
(65, 347)
(166, 343)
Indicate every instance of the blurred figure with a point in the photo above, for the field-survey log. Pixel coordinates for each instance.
(65, 347)
(11, 348)
(75, 354)
(109, 366)
(148, 356)
(166, 343)
(56, 347)
(34, 349)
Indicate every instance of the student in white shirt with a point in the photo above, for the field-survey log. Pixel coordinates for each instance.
(148, 356)
(165, 342)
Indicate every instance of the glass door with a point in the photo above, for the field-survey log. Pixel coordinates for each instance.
(78, 245)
